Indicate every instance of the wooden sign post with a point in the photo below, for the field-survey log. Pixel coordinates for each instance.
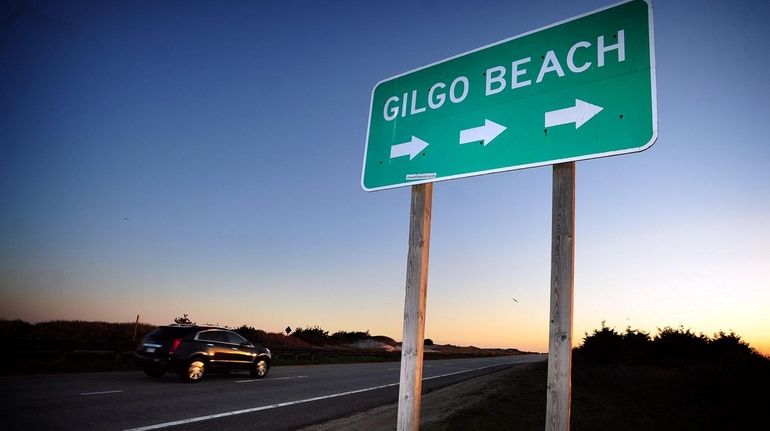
(562, 284)
(410, 386)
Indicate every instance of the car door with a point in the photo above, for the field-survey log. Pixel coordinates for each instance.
(218, 346)
(241, 351)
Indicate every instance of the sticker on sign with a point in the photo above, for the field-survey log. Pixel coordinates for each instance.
(578, 89)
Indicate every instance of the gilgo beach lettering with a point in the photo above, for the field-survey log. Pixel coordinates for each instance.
(498, 78)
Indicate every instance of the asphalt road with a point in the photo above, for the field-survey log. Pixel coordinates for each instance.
(288, 398)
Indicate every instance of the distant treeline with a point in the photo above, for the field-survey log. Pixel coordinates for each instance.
(309, 337)
(59, 334)
(73, 332)
(80, 346)
(669, 347)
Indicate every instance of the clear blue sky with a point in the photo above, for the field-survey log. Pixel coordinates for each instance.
(160, 158)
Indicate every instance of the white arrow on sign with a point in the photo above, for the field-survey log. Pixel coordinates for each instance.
(490, 130)
(411, 148)
(578, 114)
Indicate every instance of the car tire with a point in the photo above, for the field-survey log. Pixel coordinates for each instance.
(155, 373)
(260, 368)
(194, 370)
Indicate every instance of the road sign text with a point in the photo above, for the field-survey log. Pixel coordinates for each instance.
(417, 101)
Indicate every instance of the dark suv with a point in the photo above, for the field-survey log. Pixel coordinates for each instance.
(193, 350)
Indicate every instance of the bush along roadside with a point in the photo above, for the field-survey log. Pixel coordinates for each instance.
(675, 380)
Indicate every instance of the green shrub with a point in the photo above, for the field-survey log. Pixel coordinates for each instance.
(349, 337)
(315, 335)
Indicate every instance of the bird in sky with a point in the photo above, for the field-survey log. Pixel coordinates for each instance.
(515, 299)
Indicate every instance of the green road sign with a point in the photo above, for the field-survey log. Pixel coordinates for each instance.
(579, 89)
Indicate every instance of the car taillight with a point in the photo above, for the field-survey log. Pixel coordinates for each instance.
(174, 345)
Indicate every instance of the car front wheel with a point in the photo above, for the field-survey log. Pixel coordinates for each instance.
(194, 371)
(259, 369)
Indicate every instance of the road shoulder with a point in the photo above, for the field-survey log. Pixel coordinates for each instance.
(436, 405)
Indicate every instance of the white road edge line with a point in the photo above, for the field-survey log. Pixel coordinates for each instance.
(101, 392)
(270, 380)
(291, 403)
